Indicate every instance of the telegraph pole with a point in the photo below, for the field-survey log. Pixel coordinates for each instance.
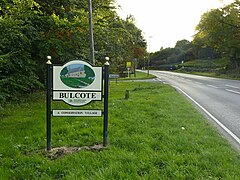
(91, 31)
(149, 53)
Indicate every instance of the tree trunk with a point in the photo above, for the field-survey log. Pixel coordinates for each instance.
(234, 60)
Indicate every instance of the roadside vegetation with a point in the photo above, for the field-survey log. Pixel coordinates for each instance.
(212, 68)
(139, 76)
(155, 134)
(217, 39)
(31, 30)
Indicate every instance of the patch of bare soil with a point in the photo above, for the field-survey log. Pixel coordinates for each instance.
(59, 152)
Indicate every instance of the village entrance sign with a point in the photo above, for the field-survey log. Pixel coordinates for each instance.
(77, 83)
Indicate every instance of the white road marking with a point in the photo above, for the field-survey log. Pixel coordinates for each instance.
(211, 116)
(229, 90)
(232, 86)
(198, 83)
(160, 80)
(209, 85)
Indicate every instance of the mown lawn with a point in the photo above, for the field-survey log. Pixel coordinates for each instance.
(155, 134)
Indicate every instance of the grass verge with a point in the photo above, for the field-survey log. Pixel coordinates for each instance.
(155, 134)
(234, 75)
(211, 68)
(139, 76)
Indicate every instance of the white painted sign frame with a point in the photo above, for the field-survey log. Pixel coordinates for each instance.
(79, 96)
(59, 85)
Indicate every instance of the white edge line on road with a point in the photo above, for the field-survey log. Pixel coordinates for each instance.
(232, 86)
(211, 116)
(229, 90)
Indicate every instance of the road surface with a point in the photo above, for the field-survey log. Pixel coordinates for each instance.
(218, 98)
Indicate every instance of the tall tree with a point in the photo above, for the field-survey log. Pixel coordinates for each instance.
(220, 29)
(32, 29)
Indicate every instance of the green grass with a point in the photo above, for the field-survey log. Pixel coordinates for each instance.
(155, 134)
(139, 75)
(231, 74)
(211, 68)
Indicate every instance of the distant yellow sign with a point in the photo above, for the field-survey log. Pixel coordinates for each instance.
(129, 64)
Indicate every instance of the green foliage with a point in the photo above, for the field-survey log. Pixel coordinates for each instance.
(183, 51)
(122, 41)
(16, 66)
(220, 29)
(30, 30)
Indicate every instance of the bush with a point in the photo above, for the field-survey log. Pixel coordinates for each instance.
(17, 77)
(17, 69)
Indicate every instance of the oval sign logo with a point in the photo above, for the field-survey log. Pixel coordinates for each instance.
(77, 75)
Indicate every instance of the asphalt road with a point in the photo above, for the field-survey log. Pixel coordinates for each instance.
(219, 99)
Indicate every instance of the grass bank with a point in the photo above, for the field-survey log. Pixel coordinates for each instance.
(211, 68)
(231, 74)
(155, 134)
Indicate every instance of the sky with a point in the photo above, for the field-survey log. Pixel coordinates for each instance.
(164, 22)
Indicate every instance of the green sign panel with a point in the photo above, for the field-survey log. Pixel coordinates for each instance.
(77, 75)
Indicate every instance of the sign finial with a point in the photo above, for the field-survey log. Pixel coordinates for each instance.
(49, 60)
(107, 61)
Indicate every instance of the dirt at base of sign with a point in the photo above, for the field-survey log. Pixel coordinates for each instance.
(59, 152)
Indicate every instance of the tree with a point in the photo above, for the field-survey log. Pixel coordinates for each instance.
(182, 51)
(30, 30)
(183, 45)
(220, 29)
(186, 50)
(119, 39)
(18, 71)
